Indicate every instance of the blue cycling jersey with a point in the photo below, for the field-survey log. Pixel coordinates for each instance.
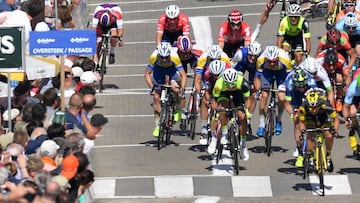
(243, 64)
(341, 26)
(352, 91)
(293, 95)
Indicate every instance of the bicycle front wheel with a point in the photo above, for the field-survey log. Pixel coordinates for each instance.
(234, 148)
(321, 170)
(102, 70)
(169, 123)
(163, 129)
(269, 131)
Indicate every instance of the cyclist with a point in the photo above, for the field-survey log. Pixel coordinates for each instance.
(351, 26)
(262, 19)
(319, 74)
(350, 108)
(316, 111)
(297, 83)
(272, 65)
(245, 60)
(234, 33)
(108, 18)
(336, 68)
(293, 29)
(339, 41)
(171, 25)
(232, 84)
(208, 77)
(349, 6)
(186, 52)
(213, 53)
(163, 62)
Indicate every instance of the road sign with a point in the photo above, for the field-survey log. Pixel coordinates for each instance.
(67, 42)
(11, 47)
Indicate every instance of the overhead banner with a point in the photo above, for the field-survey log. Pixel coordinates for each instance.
(67, 42)
(11, 47)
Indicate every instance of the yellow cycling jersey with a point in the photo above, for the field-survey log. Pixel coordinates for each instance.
(241, 84)
(203, 60)
(283, 63)
(286, 28)
(324, 109)
(174, 60)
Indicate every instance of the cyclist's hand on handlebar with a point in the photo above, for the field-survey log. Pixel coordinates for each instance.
(121, 43)
(348, 122)
(257, 94)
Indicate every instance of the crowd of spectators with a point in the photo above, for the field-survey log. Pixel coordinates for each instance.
(44, 155)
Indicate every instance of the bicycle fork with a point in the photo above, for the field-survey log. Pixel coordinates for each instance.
(320, 154)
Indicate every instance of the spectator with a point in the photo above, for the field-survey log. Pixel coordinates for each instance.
(69, 165)
(88, 78)
(56, 130)
(38, 136)
(62, 182)
(33, 165)
(14, 118)
(86, 180)
(21, 138)
(83, 161)
(25, 117)
(48, 152)
(9, 5)
(74, 143)
(51, 101)
(38, 113)
(87, 90)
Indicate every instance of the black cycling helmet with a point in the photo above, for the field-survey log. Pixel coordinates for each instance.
(331, 56)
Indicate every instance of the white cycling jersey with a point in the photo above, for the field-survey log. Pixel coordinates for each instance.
(321, 75)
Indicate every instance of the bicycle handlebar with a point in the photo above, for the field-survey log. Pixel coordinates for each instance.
(318, 129)
(231, 109)
(112, 36)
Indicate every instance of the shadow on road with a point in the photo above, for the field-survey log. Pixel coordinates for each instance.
(349, 170)
(261, 149)
(302, 186)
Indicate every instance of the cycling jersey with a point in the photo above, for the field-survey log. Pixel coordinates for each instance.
(241, 63)
(99, 10)
(160, 69)
(293, 95)
(324, 115)
(344, 42)
(227, 36)
(352, 91)
(171, 34)
(204, 61)
(209, 79)
(278, 72)
(190, 58)
(321, 77)
(286, 28)
(341, 15)
(354, 35)
(338, 67)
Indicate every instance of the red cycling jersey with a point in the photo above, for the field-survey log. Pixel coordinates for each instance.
(183, 24)
(227, 36)
(339, 67)
(343, 44)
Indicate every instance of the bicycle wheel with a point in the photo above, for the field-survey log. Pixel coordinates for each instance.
(102, 70)
(234, 148)
(193, 117)
(169, 123)
(306, 165)
(269, 131)
(321, 169)
(162, 131)
(220, 149)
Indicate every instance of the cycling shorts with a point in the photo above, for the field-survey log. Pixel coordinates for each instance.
(238, 97)
(171, 35)
(268, 76)
(295, 42)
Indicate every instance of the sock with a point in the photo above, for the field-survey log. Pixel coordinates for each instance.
(213, 134)
(112, 50)
(328, 153)
(224, 130)
(203, 123)
(243, 141)
(278, 117)
(183, 113)
(262, 121)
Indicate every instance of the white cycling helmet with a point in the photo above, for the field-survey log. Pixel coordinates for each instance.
(217, 67)
(294, 10)
(271, 52)
(309, 65)
(230, 75)
(172, 11)
(214, 51)
(350, 19)
(254, 48)
(164, 49)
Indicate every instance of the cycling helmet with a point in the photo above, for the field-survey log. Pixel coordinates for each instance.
(230, 76)
(106, 18)
(300, 78)
(309, 65)
(217, 67)
(172, 11)
(254, 48)
(214, 51)
(358, 80)
(235, 16)
(184, 44)
(331, 56)
(333, 36)
(350, 20)
(271, 52)
(294, 10)
(312, 98)
(164, 49)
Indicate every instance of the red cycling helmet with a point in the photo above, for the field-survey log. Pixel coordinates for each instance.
(184, 44)
(333, 36)
(106, 18)
(235, 17)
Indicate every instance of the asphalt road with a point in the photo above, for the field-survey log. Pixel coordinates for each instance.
(129, 168)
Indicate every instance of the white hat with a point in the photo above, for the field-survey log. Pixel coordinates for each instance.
(14, 114)
(48, 148)
(77, 71)
(88, 77)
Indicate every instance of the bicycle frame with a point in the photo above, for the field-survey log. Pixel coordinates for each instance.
(270, 119)
(355, 128)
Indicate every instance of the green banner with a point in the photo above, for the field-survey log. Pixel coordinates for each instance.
(11, 47)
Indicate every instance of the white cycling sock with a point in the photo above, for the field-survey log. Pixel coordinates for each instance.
(112, 50)
(262, 121)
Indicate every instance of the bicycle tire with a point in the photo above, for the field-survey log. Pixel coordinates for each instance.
(169, 123)
(269, 131)
(102, 70)
(193, 118)
(234, 148)
(306, 165)
(220, 149)
(162, 131)
(321, 170)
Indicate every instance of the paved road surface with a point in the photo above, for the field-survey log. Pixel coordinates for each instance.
(129, 168)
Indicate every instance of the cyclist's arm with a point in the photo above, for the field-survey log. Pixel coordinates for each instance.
(148, 79)
(282, 31)
(221, 35)
(263, 18)
(331, 5)
(160, 29)
(183, 79)
(350, 52)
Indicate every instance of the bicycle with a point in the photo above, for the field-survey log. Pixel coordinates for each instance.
(355, 127)
(167, 114)
(233, 134)
(270, 118)
(103, 54)
(320, 162)
(317, 10)
(192, 113)
(338, 7)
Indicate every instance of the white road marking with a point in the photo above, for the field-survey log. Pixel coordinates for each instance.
(136, 145)
(104, 188)
(225, 165)
(207, 200)
(334, 185)
(201, 26)
(169, 187)
(251, 186)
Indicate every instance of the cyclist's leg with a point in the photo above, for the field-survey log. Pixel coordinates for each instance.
(280, 80)
(157, 109)
(223, 102)
(113, 44)
(266, 79)
(204, 113)
(353, 141)
(238, 101)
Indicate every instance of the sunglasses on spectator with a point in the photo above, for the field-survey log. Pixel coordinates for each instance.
(349, 4)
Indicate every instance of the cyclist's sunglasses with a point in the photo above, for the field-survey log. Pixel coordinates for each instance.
(235, 24)
(273, 61)
(350, 27)
(349, 4)
(229, 84)
(253, 56)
